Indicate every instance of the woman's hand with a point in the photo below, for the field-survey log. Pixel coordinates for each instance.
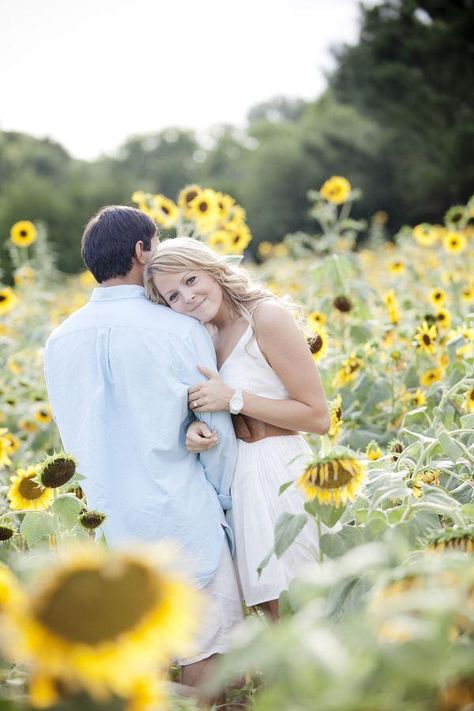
(199, 437)
(212, 395)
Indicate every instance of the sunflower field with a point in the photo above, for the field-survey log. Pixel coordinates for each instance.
(384, 619)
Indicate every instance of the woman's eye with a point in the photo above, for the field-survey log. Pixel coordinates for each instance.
(190, 280)
(172, 297)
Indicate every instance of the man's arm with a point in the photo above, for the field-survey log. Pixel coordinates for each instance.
(219, 462)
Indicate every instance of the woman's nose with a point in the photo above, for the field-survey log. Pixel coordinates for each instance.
(189, 297)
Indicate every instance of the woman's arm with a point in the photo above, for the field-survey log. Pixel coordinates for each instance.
(287, 352)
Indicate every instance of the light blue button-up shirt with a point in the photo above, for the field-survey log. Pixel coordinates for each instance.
(117, 373)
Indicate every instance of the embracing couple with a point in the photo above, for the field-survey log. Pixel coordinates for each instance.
(181, 389)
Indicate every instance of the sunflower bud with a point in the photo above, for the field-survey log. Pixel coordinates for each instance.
(343, 304)
(92, 519)
(57, 470)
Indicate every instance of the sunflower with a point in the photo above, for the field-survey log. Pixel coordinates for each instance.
(104, 622)
(454, 242)
(348, 371)
(186, 196)
(429, 477)
(316, 320)
(333, 479)
(42, 414)
(467, 294)
(457, 538)
(224, 204)
(336, 190)
(373, 451)
(469, 403)
(425, 234)
(28, 426)
(10, 590)
(24, 276)
(455, 215)
(56, 470)
(425, 338)
(280, 250)
(92, 519)
(335, 417)
(25, 493)
(221, 241)
(8, 300)
(396, 266)
(443, 318)
(318, 344)
(165, 212)
(240, 237)
(343, 304)
(432, 375)
(418, 398)
(265, 249)
(6, 532)
(204, 210)
(5, 448)
(438, 297)
(87, 279)
(23, 233)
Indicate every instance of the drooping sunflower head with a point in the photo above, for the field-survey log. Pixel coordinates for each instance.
(333, 479)
(425, 234)
(56, 470)
(455, 538)
(42, 413)
(25, 493)
(92, 519)
(23, 233)
(455, 216)
(6, 532)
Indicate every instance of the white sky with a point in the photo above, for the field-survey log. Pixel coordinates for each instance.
(89, 73)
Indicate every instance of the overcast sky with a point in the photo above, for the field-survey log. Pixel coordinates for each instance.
(89, 73)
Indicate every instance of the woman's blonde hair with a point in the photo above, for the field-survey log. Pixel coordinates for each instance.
(184, 253)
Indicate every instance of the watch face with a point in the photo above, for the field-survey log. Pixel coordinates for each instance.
(236, 403)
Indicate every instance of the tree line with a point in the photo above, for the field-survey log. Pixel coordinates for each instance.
(397, 120)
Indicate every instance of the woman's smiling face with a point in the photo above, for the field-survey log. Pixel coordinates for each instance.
(193, 292)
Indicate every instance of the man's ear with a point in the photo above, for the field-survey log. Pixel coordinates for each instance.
(139, 252)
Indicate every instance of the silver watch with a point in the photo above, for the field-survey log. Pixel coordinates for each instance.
(236, 402)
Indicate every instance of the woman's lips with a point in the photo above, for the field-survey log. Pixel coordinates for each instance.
(200, 304)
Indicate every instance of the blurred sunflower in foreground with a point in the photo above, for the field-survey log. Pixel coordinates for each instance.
(101, 622)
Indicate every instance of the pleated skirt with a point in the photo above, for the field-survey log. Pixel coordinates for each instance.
(262, 467)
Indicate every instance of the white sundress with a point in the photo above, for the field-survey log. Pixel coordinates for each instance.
(262, 467)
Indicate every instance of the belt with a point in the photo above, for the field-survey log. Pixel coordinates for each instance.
(248, 429)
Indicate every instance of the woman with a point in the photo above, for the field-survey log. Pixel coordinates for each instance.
(268, 381)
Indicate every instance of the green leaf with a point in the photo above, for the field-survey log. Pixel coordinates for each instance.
(467, 421)
(36, 527)
(450, 447)
(66, 509)
(329, 515)
(287, 528)
(284, 487)
(336, 544)
(468, 510)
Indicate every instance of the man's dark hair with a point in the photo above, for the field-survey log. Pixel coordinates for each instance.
(109, 239)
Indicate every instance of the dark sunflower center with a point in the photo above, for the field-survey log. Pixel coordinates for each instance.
(338, 475)
(315, 344)
(23, 233)
(29, 489)
(471, 395)
(58, 472)
(438, 296)
(2, 298)
(203, 206)
(191, 195)
(426, 339)
(165, 209)
(96, 606)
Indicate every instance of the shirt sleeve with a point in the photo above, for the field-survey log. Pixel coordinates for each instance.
(218, 462)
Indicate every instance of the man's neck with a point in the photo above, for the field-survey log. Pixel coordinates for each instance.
(128, 280)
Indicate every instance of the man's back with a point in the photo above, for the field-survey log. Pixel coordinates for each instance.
(117, 372)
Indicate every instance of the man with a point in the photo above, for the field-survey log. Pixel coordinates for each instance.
(117, 373)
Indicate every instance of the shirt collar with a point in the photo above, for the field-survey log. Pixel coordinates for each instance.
(114, 293)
